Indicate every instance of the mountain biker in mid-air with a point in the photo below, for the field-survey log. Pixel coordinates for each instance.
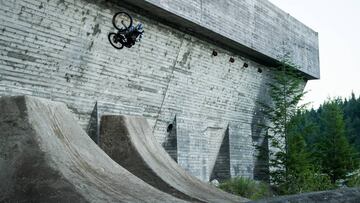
(127, 34)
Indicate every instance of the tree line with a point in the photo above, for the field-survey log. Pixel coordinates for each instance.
(309, 150)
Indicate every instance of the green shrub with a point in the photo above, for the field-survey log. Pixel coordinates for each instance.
(305, 181)
(353, 179)
(247, 188)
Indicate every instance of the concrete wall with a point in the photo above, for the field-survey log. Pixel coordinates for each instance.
(254, 27)
(58, 49)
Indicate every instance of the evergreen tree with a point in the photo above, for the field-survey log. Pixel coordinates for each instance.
(333, 118)
(333, 151)
(288, 159)
(302, 175)
(297, 158)
(351, 109)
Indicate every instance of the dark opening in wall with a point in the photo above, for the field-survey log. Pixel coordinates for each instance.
(170, 142)
(232, 60)
(214, 53)
(169, 128)
(245, 65)
(259, 70)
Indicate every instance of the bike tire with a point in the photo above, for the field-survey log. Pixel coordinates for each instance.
(124, 26)
(116, 45)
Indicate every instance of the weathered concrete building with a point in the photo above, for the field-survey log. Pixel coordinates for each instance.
(202, 107)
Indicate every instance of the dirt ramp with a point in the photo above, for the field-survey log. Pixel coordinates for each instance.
(129, 141)
(46, 157)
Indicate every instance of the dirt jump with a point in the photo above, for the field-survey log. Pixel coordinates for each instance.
(45, 156)
(129, 141)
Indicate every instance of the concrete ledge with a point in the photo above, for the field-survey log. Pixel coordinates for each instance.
(255, 28)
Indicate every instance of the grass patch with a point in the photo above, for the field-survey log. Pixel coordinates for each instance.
(247, 188)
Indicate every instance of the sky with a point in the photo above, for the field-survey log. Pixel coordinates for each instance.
(338, 25)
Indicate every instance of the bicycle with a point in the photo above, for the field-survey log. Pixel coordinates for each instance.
(127, 34)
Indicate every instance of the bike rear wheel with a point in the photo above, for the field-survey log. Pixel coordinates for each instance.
(122, 21)
(115, 40)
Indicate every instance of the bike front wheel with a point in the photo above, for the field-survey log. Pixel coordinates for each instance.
(122, 21)
(115, 40)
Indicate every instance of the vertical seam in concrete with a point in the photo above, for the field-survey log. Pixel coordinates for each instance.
(167, 87)
(202, 12)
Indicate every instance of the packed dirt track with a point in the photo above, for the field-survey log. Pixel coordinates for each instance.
(129, 141)
(45, 156)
